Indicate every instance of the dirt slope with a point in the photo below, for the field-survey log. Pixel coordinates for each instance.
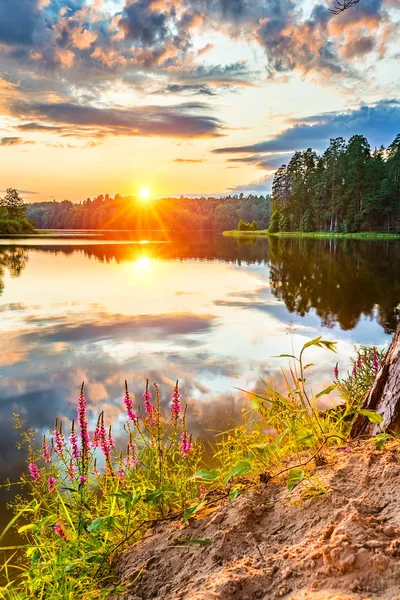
(344, 545)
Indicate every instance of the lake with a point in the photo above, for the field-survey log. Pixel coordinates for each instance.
(210, 311)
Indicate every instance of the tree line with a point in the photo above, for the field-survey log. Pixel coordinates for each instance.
(129, 212)
(348, 189)
(13, 214)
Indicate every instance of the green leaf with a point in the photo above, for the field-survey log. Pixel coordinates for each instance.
(371, 415)
(191, 510)
(207, 475)
(314, 342)
(295, 476)
(234, 493)
(309, 365)
(35, 557)
(26, 527)
(286, 356)
(242, 468)
(380, 440)
(156, 494)
(103, 524)
(327, 390)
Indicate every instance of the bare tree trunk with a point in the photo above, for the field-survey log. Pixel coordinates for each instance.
(384, 396)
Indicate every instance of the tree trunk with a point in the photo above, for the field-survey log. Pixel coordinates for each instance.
(384, 396)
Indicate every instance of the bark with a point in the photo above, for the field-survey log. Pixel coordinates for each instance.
(384, 396)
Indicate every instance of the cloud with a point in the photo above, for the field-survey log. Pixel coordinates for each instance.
(260, 186)
(189, 160)
(380, 123)
(180, 120)
(14, 141)
(194, 89)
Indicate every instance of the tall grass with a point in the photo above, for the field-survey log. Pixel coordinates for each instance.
(88, 499)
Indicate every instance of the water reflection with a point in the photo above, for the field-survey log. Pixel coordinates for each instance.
(208, 310)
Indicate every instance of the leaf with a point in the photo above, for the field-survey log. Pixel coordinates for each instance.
(295, 476)
(380, 440)
(191, 510)
(327, 390)
(26, 527)
(371, 415)
(234, 493)
(314, 342)
(104, 524)
(200, 542)
(242, 468)
(309, 365)
(35, 557)
(68, 489)
(286, 356)
(206, 475)
(156, 494)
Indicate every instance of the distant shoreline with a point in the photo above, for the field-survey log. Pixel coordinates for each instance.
(361, 235)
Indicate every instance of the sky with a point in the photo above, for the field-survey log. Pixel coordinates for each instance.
(186, 96)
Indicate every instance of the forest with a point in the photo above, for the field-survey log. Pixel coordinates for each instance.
(13, 214)
(130, 212)
(348, 189)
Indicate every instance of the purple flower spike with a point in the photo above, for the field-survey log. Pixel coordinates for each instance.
(73, 440)
(34, 471)
(336, 371)
(148, 407)
(51, 484)
(186, 444)
(46, 453)
(176, 408)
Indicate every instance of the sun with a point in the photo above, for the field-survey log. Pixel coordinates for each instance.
(144, 194)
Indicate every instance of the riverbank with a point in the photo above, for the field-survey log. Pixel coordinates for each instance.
(341, 543)
(363, 235)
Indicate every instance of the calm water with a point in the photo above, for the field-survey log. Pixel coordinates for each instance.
(208, 310)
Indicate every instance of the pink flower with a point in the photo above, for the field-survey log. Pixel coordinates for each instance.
(51, 484)
(83, 423)
(336, 371)
(59, 442)
(83, 479)
(148, 407)
(59, 530)
(46, 453)
(71, 471)
(73, 440)
(129, 409)
(186, 444)
(176, 403)
(34, 471)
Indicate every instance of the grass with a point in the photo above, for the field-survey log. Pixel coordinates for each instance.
(88, 500)
(362, 235)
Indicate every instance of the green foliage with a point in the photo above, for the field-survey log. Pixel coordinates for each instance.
(13, 214)
(355, 385)
(346, 190)
(129, 212)
(242, 226)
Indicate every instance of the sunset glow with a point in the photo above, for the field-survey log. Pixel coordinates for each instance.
(197, 97)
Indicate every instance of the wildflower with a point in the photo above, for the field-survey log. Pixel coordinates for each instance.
(82, 479)
(71, 470)
(186, 439)
(148, 407)
(359, 362)
(176, 403)
(95, 471)
(58, 528)
(83, 424)
(59, 443)
(73, 440)
(129, 406)
(354, 371)
(34, 471)
(186, 444)
(51, 484)
(110, 441)
(46, 453)
(130, 460)
(32, 467)
(336, 371)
